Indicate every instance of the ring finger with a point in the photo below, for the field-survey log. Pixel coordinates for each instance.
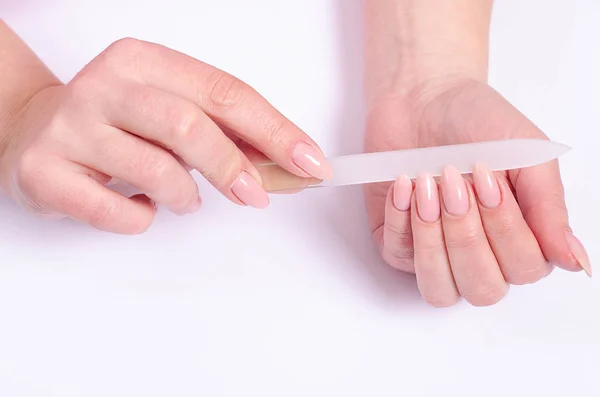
(474, 266)
(143, 165)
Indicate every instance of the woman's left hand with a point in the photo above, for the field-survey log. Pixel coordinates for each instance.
(466, 237)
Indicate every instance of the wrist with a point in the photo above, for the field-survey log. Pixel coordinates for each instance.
(23, 76)
(10, 116)
(415, 44)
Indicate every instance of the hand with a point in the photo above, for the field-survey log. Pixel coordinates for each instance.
(144, 114)
(474, 236)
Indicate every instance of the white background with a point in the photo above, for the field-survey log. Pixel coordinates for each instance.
(294, 300)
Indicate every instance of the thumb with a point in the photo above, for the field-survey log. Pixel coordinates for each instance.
(540, 194)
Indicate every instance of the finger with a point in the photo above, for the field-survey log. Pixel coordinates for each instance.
(540, 195)
(375, 199)
(275, 179)
(514, 245)
(397, 243)
(476, 271)
(84, 199)
(226, 99)
(185, 130)
(139, 163)
(432, 266)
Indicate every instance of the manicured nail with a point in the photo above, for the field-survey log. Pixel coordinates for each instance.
(454, 192)
(428, 200)
(402, 193)
(486, 186)
(579, 253)
(249, 192)
(311, 161)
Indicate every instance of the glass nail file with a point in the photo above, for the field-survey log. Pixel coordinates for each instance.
(502, 155)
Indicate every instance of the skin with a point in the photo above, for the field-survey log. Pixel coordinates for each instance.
(145, 114)
(426, 85)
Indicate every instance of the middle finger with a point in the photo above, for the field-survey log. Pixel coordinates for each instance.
(476, 271)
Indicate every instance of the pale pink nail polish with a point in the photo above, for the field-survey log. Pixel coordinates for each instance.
(428, 200)
(249, 192)
(579, 253)
(454, 192)
(311, 161)
(402, 193)
(486, 186)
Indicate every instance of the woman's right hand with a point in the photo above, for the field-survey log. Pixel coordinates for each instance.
(142, 113)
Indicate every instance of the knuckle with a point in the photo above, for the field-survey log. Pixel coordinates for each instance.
(398, 249)
(225, 90)
(429, 253)
(223, 165)
(546, 204)
(157, 168)
(123, 46)
(399, 258)
(504, 225)
(151, 166)
(80, 89)
(187, 127)
(398, 235)
(274, 130)
(465, 241)
(486, 296)
(528, 274)
(118, 56)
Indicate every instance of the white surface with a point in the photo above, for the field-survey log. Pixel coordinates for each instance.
(294, 301)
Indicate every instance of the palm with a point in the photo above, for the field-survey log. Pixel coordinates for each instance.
(461, 113)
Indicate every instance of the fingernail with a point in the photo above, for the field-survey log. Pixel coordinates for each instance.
(249, 192)
(311, 161)
(428, 201)
(486, 186)
(454, 192)
(579, 253)
(402, 193)
(196, 206)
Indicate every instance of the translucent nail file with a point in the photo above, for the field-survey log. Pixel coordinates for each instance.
(365, 168)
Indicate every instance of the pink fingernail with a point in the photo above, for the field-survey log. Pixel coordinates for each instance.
(249, 192)
(428, 201)
(579, 253)
(311, 161)
(402, 193)
(486, 186)
(454, 192)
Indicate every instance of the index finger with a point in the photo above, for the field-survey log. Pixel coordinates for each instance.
(227, 100)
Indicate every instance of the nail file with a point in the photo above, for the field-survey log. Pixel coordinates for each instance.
(501, 155)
